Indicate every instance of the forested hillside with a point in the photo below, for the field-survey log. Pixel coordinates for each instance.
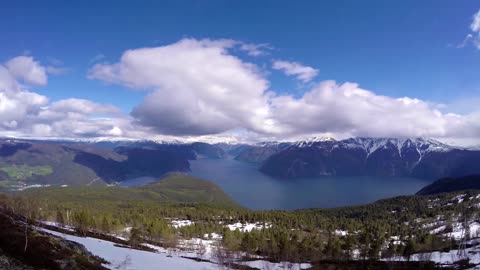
(450, 184)
(398, 226)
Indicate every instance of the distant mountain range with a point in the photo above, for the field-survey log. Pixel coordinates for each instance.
(412, 157)
(28, 162)
(100, 162)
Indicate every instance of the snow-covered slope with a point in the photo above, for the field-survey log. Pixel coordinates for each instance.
(370, 145)
(312, 141)
(421, 145)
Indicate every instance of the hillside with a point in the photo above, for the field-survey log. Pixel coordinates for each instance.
(173, 188)
(183, 188)
(27, 163)
(42, 251)
(450, 184)
(396, 228)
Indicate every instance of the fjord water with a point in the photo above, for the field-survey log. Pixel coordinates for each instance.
(255, 190)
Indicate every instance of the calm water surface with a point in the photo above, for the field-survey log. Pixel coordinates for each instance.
(252, 189)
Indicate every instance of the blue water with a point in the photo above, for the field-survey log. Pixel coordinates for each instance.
(252, 189)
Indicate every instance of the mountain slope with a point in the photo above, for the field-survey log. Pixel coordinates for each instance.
(24, 163)
(414, 157)
(451, 184)
(18, 161)
(43, 251)
(260, 152)
(184, 188)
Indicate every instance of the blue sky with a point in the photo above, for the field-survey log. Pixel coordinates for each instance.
(395, 49)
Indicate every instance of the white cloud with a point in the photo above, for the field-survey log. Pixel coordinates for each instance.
(255, 49)
(28, 114)
(301, 72)
(83, 106)
(348, 110)
(7, 81)
(26, 69)
(198, 90)
(473, 37)
(475, 26)
(197, 87)
(15, 104)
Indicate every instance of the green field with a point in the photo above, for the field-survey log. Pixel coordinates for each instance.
(23, 172)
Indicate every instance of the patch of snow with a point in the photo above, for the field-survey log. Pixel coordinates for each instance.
(261, 264)
(458, 230)
(443, 258)
(214, 236)
(247, 227)
(131, 258)
(313, 140)
(178, 223)
(198, 248)
(340, 232)
(459, 198)
(438, 230)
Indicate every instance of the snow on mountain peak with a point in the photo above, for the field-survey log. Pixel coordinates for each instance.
(269, 143)
(313, 140)
(422, 145)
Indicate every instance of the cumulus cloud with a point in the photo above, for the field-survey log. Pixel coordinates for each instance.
(197, 87)
(27, 69)
(346, 109)
(301, 72)
(28, 114)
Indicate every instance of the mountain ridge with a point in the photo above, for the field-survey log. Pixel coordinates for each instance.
(416, 157)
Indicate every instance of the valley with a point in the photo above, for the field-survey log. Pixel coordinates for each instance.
(255, 190)
(318, 172)
(148, 201)
(239, 135)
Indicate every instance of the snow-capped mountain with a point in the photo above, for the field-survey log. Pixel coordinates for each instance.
(372, 144)
(422, 145)
(313, 140)
(414, 157)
